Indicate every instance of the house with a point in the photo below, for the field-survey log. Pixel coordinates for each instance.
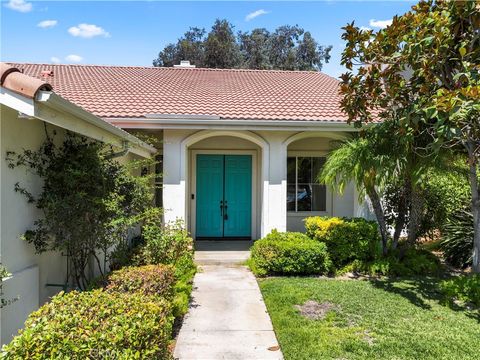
(238, 156)
(28, 110)
(240, 148)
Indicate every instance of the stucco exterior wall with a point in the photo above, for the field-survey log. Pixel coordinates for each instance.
(31, 272)
(337, 205)
(272, 148)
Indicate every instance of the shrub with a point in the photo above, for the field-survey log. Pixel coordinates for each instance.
(414, 262)
(96, 325)
(169, 244)
(457, 239)
(157, 280)
(346, 239)
(165, 243)
(275, 235)
(465, 288)
(289, 254)
(127, 253)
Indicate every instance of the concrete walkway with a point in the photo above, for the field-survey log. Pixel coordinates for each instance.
(227, 319)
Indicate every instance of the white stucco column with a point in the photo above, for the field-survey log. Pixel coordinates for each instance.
(174, 175)
(275, 187)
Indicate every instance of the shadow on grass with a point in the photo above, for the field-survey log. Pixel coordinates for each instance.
(420, 290)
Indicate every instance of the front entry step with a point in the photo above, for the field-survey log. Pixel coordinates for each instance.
(228, 252)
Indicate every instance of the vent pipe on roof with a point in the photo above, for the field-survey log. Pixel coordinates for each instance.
(46, 73)
(184, 64)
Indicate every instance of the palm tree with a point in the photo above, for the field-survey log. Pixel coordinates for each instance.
(358, 159)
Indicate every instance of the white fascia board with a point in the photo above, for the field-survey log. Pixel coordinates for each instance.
(17, 102)
(58, 103)
(238, 124)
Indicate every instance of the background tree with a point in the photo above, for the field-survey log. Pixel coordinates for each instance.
(221, 48)
(310, 55)
(282, 46)
(190, 46)
(254, 48)
(423, 71)
(287, 48)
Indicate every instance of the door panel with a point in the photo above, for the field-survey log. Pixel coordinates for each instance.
(238, 196)
(210, 175)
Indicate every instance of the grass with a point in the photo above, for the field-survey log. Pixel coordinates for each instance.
(378, 319)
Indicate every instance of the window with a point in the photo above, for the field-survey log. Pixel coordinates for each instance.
(304, 193)
(159, 180)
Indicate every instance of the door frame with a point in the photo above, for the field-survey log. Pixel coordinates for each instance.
(192, 188)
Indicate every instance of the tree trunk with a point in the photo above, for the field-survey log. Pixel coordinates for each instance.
(416, 207)
(402, 212)
(473, 177)
(380, 215)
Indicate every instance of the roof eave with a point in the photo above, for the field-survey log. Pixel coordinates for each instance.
(52, 100)
(179, 122)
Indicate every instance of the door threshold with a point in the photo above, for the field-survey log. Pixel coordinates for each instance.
(230, 238)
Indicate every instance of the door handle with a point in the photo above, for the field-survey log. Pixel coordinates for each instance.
(225, 207)
(221, 208)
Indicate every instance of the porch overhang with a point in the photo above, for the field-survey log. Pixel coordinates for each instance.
(217, 123)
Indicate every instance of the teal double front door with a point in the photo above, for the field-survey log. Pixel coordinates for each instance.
(224, 196)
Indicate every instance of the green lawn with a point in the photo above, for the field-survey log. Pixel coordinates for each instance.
(379, 319)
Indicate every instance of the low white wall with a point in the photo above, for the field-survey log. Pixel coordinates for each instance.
(23, 289)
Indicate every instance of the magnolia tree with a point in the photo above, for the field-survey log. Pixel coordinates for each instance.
(423, 73)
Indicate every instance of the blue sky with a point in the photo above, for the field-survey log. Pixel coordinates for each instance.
(133, 32)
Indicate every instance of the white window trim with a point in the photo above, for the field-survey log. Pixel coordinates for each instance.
(329, 197)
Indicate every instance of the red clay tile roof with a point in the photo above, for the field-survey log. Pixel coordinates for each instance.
(11, 78)
(134, 92)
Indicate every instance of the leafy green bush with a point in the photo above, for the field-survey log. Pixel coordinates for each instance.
(457, 239)
(286, 236)
(157, 280)
(289, 254)
(95, 325)
(465, 288)
(165, 243)
(89, 201)
(414, 262)
(346, 239)
(168, 244)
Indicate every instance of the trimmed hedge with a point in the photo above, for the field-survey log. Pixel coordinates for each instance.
(157, 280)
(289, 254)
(465, 288)
(96, 325)
(346, 239)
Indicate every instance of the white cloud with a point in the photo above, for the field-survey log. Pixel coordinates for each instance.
(255, 14)
(47, 24)
(55, 60)
(88, 31)
(19, 5)
(365, 28)
(382, 24)
(74, 58)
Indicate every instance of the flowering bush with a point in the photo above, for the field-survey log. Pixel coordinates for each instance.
(346, 239)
